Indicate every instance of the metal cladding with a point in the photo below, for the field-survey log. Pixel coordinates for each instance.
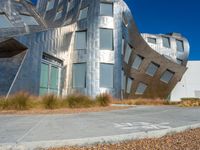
(146, 65)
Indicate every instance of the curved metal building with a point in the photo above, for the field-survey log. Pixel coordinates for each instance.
(86, 46)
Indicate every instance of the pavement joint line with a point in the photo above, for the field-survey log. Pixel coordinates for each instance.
(30, 130)
(95, 140)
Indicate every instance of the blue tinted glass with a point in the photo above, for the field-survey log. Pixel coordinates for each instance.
(127, 54)
(180, 46)
(106, 9)
(29, 20)
(79, 75)
(167, 76)
(137, 62)
(80, 40)
(141, 89)
(106, 39)
(4, 22)
(106, 75)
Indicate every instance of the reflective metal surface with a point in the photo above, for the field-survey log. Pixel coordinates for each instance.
(55, 35)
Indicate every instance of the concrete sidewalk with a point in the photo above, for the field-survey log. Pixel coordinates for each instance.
(33, 131)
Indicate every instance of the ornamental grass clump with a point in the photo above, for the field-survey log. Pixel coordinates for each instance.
(79, 101)
(103, 99)
(18, 101)
(50, 101)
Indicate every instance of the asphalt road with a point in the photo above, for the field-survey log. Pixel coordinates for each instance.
(34, 128)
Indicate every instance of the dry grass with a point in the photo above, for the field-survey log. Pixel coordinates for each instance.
(24, 101)
(190, 102)
(154, 102)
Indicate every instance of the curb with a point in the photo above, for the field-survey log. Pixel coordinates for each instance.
(95, 140)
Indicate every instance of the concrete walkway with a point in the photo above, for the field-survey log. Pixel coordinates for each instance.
(33, 131)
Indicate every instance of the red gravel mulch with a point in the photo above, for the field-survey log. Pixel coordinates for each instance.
(189, 140)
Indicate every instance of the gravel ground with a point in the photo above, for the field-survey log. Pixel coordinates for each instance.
(189, 140)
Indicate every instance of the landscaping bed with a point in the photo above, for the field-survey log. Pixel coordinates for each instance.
(189, 140)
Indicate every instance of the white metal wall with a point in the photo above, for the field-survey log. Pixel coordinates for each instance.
(189, 86)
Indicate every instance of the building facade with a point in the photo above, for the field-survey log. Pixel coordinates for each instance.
(85, 46)
(189, 86)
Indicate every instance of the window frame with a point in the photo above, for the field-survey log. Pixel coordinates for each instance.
(167, 70)
(106, 3)
(85, 76)
(155, 64)
(142, 59)
(150, 39)
(112, 49)
(100, 85)
(143, 90)
(75, 42)
(169, 42)
(87, 7)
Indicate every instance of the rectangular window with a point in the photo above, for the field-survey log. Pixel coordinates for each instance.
(29, 20)
(179, 45)
(179, 61)
(54, 79)
(166, 42)
(106, 9)
(152, 69)
(79, 75)
(137, 62)
(151, 40)
(167, 76)
(106, 75)
(44, 79)
(83, 13)
(4, 22)
(129, 85)
(106, 39)
(59, 14)
(141, 89)
(81, 40)
(50, 5)
(49, 79)
(127, 53)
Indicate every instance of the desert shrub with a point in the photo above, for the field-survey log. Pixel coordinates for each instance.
(18, 101)
(103, 99)
(50, 101)
(79, 101)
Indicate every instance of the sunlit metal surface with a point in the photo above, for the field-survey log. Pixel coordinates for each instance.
(55, 36)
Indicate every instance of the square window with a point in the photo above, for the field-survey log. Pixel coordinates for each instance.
(83, 13)
(152, 69)
(80, 40)
(141, 89)
(167, 76)
(106, 9)
(58, 15)
(4, 22)
(166, 42)
(106, 75)
(179, 46)
(79, 75)
(179, 61)
(29, 20)
(137, 62)
(106, 39)
(129, 85)
(50, 5)
(127, 53)
(151, 40)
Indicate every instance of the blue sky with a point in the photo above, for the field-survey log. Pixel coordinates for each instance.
(166, 16)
